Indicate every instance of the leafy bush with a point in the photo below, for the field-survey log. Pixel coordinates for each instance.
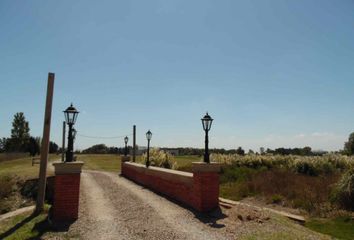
(277, 198)
(344, 191)
(306, 168)
(160, 158)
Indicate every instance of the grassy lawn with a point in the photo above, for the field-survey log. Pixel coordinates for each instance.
(11, 156)
(281, 228)
(24, 226)
(341, 227)
(22, 167)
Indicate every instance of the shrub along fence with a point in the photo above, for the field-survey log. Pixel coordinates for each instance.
(199, 190)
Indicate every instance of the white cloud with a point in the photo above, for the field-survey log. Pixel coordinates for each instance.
(300, 135)
(321, 134)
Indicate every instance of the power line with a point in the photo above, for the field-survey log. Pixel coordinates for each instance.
(100, 137)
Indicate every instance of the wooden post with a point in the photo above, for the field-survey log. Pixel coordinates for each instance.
(45, 145)
(63, 146)
(134, 142)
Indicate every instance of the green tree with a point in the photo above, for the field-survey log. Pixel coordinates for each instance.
(261, 150)
(240, 151)
(19, 133)
(307, 151)
(96, 149)
(34, 146)
(53, 147)
(349, 146)
(3, 144)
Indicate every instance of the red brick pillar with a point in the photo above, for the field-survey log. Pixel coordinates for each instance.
(66, 190)
(205, 186)
(123, 159)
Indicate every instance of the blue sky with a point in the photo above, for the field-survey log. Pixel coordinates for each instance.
(271, 73)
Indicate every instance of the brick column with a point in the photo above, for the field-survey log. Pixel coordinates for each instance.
(66, 190)
(123, 159)
(205, 186)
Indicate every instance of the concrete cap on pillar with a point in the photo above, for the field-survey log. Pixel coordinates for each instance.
(67, 167)
(125, 158)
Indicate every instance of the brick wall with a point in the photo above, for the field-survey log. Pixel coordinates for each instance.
(199, 190)
(66, 190)
(66, 197)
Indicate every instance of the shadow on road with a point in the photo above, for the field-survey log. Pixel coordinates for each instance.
(211, 218)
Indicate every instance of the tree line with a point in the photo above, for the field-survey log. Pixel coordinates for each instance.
(103, 149)
(305, 151)
(21, 140)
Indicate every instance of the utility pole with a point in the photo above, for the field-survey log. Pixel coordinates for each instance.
(63, 146)
(134, 142)
(45, 144)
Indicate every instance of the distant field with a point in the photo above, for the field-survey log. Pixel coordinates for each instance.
(11, 156)
(21, 165)
(102, 162)
(182, 163)
(111, 162)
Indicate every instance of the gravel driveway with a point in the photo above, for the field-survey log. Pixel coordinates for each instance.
(112, 207)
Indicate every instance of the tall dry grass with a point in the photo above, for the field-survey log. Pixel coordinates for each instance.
(312, 166)
(160, 158)
(317, 184)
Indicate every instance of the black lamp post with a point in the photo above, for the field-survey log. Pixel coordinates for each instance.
(126, 148)
(148, 137)
(70, 118)
(206, 121)
(74, 134)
